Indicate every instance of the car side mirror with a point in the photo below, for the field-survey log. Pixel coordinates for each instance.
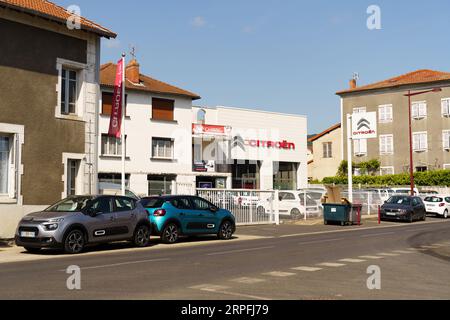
(213, 209)
(93, 212)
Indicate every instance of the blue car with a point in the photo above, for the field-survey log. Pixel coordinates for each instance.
(175, 216)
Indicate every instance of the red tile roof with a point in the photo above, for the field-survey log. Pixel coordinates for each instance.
(416, 77)
(148, 84)
(49, 10)
(327, 131)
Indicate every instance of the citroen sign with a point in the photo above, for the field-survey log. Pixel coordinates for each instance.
(364, 125)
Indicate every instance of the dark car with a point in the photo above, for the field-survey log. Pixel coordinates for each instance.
(403, 208)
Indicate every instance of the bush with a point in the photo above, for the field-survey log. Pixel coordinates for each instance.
(429, 178)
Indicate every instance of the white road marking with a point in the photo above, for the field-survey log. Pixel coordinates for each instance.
(430, 247)
(280, 274)
(371, 257)
(416, 249)
(238, 251)
(247, 280)
(120, 264)
(402, 251)
(387, 254)
(438, 245)
(321, 241)
(209, 287)
(307, 269)
(221, 290)
(376, 234)
(352, 260)
(331, 264)
(394, 225)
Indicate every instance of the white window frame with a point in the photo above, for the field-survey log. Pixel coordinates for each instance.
(117, 144)
(419, 110)
(383, 115)
(445, 107)
(327, 150)
(15, 170)
(80, 177)
(359, 110)
(386, 150)
(446, 140)
(360, 147)
(172, 143)
(81, 70)
(391, 168)
(422, 148)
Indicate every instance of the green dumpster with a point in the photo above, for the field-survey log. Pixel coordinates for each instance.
(340, 213)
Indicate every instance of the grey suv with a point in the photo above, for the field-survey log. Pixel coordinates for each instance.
(77, 221)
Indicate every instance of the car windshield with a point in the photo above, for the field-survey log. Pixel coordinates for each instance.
(71, 204)
(152, 203)
(399, 200)
(433, 199)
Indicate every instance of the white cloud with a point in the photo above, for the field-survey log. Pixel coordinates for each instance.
(198, 22)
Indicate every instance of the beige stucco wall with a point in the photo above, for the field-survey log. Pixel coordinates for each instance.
(434, 124)
(325, 167)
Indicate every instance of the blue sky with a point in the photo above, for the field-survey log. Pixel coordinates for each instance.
(286, 56)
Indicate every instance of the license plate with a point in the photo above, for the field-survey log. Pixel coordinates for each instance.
(26, 234)
(391, 214)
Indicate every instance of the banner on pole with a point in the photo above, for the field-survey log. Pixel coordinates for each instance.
(115, 124)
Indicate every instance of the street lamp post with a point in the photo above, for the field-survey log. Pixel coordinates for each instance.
(411, 159)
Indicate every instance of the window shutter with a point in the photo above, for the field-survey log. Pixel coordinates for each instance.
(162, 109)
(390, 144)
(446, 139)
(424, 141)
(423, 109)
(389, 113)
(416, 138)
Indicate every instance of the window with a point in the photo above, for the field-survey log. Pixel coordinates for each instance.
(419, 110)
(286, 196)
(124, 204)
(201, 116)
(386, 170)
(102, 205)
(422, 169)
(360, 147)
(160, 185)
(445, 103)
(327, 149)
(359, 110)
(68, 91)
(200, 204)
(107, 98)
(181, 203)
(112, 180)
(162, 148)
(72, 174)
(111, 146)
(420, 141)
(385, 113)
(446, 139)
(162, 109)
(4, 164)
(285, 175)
(386, 144)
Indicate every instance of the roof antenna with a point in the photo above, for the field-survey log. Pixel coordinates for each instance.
(133, 51)
(355, 76)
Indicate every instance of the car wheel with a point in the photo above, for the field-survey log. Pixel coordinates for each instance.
(32, 250)
(75, 242)
(424, 217)
(170, 233)
(225, 231)
(295, 214)
(411, 220)
(446, 214)
(141, 236)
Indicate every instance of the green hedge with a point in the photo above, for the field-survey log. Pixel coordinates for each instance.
(430, 178)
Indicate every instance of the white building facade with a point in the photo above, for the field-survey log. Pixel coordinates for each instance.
(172, 145)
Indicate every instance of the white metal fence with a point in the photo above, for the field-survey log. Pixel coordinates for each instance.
(248, 206)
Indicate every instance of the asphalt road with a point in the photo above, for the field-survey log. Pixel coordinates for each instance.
(330, 263)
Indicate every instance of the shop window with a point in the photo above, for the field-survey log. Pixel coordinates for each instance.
(246, 174)
(160, 185)
(107, 180)
(162, 109)
(285, 176)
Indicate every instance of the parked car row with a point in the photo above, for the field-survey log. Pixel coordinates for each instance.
(79, 221)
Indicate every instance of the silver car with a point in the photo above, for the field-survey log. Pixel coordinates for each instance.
(77, 221)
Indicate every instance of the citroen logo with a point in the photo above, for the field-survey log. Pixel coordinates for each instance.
(363, 123)
(238, 141)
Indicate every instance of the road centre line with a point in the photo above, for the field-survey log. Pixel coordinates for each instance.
(358, 229)
(322, 241)
(238, 251)
(121, 264)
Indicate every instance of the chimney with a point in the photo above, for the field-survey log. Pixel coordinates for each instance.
(353, 84)
(132, 71)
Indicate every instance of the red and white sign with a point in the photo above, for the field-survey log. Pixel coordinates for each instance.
(271, 144)
(210, 129)
(364, 125)
(115, 123)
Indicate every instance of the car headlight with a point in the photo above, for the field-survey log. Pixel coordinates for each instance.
(51, 226)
